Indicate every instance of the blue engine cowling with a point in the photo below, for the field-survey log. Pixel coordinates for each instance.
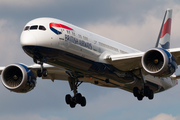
(18, 78)
(159, 62)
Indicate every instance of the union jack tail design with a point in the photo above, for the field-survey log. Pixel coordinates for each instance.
(163, 40)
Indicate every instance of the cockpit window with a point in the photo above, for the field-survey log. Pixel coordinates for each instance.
(42, 27)
(26, 28)
(33, 27)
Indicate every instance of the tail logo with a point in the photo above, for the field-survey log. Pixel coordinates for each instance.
(166, 45)
(163, 40)
(165, 34)
(166, 28)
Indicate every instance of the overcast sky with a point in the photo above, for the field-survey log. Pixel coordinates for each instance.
(134, 23)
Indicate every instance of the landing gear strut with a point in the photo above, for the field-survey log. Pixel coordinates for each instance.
(41, 72)
(145, 91)
(77, 98)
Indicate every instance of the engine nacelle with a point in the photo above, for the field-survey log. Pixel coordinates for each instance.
(18, 78)
(159, 62)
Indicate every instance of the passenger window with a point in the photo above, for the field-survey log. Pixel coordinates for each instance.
(26, 28)
(85, 38)
(34, 27)
(80, 36)
(73, 33)
(42, 27)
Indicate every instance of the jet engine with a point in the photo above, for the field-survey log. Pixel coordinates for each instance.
(159, 62)
(18, 78)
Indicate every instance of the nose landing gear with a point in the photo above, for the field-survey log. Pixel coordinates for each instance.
(41, 72)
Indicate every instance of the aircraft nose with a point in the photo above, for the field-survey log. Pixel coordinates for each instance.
(28, 39)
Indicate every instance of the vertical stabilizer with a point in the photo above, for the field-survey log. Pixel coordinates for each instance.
(163, 40)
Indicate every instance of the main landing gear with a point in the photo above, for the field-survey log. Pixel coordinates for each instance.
(145, 91)
(41, 72)
(77, 98)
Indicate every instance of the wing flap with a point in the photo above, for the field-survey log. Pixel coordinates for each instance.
(126, 62)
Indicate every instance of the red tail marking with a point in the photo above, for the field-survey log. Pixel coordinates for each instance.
(166, 28)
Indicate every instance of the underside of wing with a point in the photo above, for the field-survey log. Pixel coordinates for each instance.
(54, 73)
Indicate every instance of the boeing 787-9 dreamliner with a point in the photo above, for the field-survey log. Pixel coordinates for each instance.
(62, 51)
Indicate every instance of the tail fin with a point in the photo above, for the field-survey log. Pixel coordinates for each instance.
(163, 40)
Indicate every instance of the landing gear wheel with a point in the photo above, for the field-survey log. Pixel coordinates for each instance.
(72, 104)
(78, 98)
(140, 97)
(146, 91)
(83, 102)
(45, 73)
(39, 74)
(68, 99)
(151, 95)
(135, 91)
(140, 94)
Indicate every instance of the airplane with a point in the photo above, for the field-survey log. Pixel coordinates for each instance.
(62, 51)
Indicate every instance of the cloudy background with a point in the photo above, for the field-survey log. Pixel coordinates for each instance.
(134, 23)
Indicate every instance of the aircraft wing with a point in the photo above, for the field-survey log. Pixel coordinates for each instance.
(126, 62)
(1, 69)
(131, 61)
(176, 53)
(54, 73)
